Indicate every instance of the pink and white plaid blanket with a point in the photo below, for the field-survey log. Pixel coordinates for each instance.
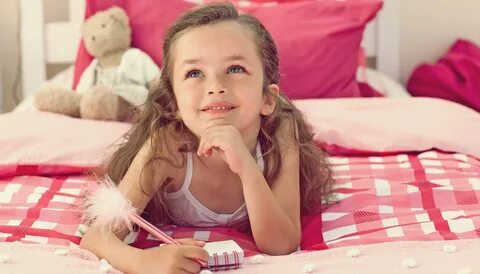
(403, 197)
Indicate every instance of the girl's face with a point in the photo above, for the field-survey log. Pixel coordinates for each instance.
(218, 75)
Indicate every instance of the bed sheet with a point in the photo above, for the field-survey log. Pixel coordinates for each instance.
(402, 197)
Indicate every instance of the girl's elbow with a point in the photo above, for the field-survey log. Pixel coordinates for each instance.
(85, 243)
(284, 247)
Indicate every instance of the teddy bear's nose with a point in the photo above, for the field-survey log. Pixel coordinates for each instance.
(93, 38)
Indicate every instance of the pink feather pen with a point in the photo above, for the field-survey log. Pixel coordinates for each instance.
(111, 212)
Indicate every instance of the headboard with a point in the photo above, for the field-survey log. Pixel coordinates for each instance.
(57, 42)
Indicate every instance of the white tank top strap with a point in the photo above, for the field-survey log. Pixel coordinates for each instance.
(260, 161)
(188, 178)
(189, 173)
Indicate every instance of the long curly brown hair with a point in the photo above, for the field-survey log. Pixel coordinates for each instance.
(159, 122)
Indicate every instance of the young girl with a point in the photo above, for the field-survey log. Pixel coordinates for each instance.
(217, 144)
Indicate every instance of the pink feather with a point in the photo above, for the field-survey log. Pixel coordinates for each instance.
(108, 208)
(110, 211)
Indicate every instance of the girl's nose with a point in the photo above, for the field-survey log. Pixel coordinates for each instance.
(219, 91)
(216, 87)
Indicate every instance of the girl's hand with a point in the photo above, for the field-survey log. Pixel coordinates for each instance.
(228, 140)
(172, 259)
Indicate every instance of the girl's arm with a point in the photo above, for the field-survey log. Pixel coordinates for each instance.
(274, 211)
(169, 259)
(111, 246)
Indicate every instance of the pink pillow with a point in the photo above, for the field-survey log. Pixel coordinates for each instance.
(318, 41)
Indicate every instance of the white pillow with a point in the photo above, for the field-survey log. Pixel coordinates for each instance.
(382, 83)
(388, 125)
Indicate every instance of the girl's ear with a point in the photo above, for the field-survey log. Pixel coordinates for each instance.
(270, 100)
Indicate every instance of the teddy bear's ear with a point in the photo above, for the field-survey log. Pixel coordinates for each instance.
(119, 14)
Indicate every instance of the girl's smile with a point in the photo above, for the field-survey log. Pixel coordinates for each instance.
(220, 107)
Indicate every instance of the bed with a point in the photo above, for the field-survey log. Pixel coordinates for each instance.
(407, 174)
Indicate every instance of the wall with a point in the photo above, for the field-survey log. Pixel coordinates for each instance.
(9, 52)
(9, 47)
(429, 27)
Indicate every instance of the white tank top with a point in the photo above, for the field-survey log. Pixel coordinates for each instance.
(186, 210)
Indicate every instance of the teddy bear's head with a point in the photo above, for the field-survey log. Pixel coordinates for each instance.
(106, 32)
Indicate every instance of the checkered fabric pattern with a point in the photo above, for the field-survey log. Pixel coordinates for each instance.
(37, 209)
(427, 196)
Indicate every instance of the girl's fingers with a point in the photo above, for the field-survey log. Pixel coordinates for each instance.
(203, 139)
(189, 241)
(195, 253)
(211, 138)
(204, 146)
(213, 142)
(200, 146)
(207, 150)
(189, 265)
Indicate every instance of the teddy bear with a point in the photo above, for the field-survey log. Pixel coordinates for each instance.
(115, 82)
